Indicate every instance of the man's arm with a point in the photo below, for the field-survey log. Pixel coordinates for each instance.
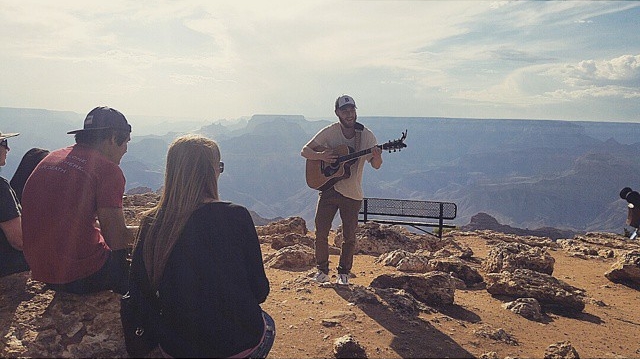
(313, 151)
(114, 228)
(13, 231)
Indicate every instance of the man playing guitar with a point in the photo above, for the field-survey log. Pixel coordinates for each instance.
(346, 194)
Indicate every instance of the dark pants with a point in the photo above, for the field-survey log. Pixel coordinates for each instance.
(114, 275)
(329, 202)
(12, 261)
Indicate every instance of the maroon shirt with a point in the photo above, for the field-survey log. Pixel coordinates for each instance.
(60, 201)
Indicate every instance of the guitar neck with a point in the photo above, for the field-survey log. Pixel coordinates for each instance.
(353, 155)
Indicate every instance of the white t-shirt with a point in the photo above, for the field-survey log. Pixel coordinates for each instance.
(331, 137)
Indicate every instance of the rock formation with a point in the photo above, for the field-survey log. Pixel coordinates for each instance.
(482, 221)
(525, 283)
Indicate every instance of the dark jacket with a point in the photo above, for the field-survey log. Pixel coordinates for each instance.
(212, 285)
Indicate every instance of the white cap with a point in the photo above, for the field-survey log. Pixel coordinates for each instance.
(345, 100)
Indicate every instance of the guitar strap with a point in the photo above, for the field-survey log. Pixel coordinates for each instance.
(358, 127)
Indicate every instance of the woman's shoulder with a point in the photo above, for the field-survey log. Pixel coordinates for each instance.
(222, 212)
(223, 206)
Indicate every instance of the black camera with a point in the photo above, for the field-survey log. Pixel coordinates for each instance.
(630, 196)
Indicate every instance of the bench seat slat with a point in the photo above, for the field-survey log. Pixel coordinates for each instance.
(408, 223)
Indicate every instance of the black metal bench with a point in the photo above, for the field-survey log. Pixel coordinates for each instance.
(404, 211)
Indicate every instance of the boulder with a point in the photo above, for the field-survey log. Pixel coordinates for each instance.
(561, 350)
(457, 268)
(413, 263)
(433, 288)
(526, 283)
(279, 241)
(38, 322)
(525, 307)
(297, 256)
(348, 347)
(405, 261)
(627, 269)
(284, 226)
(375, 239)
(499, 335)
(510, 256)
(392, 258)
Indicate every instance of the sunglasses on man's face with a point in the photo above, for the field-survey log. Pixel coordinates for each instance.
(4, 143)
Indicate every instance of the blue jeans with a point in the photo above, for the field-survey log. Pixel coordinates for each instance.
(269, 336)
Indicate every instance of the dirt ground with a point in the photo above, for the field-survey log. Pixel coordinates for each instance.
(309, 318)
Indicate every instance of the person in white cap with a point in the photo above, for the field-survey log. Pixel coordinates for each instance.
(11, 256)
(345, 194)
(74, 231)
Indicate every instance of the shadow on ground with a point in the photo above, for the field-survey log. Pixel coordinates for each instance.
(413, 337)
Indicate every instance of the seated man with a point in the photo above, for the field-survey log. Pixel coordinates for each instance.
(75, 236)
(11, 257)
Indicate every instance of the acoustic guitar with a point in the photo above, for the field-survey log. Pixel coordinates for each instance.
(322, 175)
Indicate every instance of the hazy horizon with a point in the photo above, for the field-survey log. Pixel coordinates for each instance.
(144, 125)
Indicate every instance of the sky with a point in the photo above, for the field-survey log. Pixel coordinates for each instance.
(217, 60)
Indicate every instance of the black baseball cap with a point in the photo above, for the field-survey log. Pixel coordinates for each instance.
(102, 118)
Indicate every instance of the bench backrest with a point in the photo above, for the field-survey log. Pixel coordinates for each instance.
(408, 208)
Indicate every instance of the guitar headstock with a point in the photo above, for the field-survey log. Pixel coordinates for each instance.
(396, 145)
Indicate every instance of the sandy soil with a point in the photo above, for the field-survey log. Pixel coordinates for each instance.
(310, 317)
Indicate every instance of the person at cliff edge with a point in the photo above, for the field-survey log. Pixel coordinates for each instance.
(74, 231)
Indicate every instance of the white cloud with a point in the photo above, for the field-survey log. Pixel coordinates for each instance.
(623, 68)
(551, 84)
(589, 92)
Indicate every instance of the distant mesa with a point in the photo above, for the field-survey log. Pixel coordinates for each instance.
(139, 190)
(484, 221)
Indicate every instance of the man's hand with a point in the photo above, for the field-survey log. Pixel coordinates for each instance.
(114, 229)
(328, 156)
(376, 159)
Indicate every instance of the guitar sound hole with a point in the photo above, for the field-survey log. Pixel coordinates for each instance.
(329, 170)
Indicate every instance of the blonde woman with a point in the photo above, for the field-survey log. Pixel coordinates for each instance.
(202, 258)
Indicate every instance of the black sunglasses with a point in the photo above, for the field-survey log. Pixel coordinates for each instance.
(4, 143)
(221, 166)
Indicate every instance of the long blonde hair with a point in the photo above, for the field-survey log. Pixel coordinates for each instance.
(190, 179)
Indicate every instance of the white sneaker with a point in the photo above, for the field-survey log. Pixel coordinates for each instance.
(321, 277)
(343, 279)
